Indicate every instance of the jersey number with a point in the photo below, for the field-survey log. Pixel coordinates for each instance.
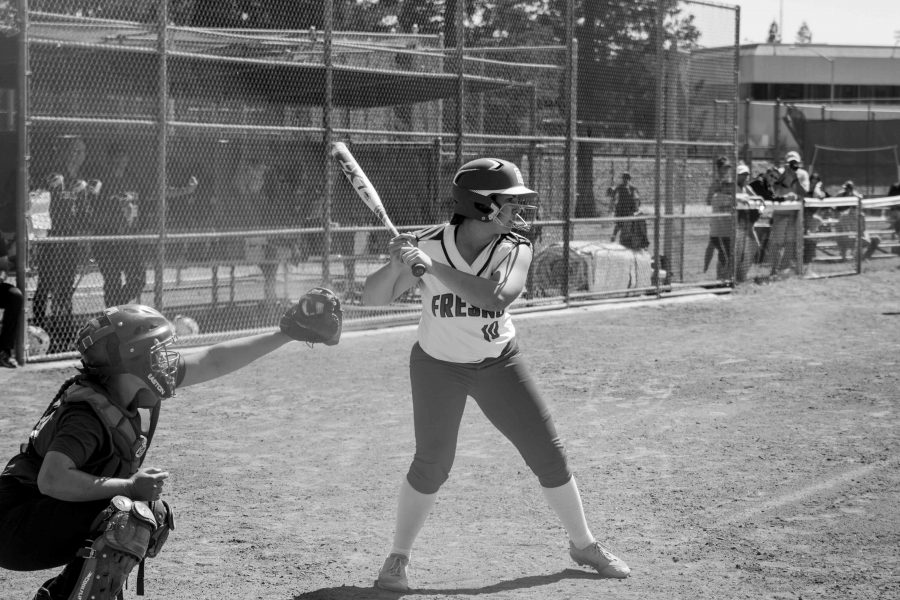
(491, 331)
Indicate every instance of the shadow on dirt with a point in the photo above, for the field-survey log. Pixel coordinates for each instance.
(349, 592)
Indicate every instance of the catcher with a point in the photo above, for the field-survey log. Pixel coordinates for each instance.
(78, 494)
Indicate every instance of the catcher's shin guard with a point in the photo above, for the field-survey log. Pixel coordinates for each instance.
(128, 528)
(165, 522)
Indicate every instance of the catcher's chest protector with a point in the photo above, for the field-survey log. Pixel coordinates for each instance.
(130, 440)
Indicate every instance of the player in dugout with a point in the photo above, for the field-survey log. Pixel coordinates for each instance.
(78, 493)
(476, 265)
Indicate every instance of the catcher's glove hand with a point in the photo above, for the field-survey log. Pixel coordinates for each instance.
(316, 318)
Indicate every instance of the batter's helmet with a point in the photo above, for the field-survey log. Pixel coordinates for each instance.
(483, 186)
(131, 338)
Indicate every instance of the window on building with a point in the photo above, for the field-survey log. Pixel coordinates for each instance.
(755, 91)
(789, 91)
(846, 92)
(884, 94)
(818, 92)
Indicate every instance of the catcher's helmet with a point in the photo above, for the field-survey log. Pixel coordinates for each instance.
(131, 338)
(482, 187)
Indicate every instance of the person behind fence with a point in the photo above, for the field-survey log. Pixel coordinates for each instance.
(121, 262)
(849, 222)
(475, 266)
(749, 206)
(626, 203)
(79, 494)
(253, 209)
(720, 198)
(791, 185)
(11, 301)
(72, 196)
(894, 190)
(11, 297)
(762, 185)
(813, 216)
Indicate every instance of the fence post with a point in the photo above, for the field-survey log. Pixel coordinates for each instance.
(748, 158)
(657, 183)
(860, 230)
(569, 159)
(736, 79)
(798, 250)
(23, 158)
(776, 141)
(328, 136)
(161, 152)
(460, 80)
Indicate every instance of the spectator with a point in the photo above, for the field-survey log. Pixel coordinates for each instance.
(250, 182)
(749, 207)
(894, 190)
(11, 300)
(848, 190)
(816, 187)
(764, 182)
(849, 221)
(626, 203)
(763, 185)
(791, 185)
(720, 198)
(71, 199)
(117, 214)
(812, 217)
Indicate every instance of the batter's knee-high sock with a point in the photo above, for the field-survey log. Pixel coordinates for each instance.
(412, 510)
(566, 503)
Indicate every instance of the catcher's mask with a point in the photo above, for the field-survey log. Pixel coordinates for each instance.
(491, 189)
(131, 338)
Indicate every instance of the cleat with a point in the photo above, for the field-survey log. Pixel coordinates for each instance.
(600, 558)
(393, 574)
(7, 361)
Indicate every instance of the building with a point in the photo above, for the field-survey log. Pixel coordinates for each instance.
(821, 99)
(820, 73)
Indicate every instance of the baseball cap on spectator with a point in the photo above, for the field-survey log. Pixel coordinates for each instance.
(626, 175)
(792, 156)
(848, 185)
(742, 168)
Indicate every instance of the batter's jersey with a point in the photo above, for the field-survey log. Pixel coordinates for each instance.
(450, 328)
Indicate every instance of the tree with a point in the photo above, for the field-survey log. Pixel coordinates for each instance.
(774, 36)
(617, 60)
(804, 35)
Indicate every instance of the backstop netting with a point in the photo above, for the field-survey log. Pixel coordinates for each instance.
(177, 152)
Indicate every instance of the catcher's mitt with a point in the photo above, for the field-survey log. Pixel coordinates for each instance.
(316, 318)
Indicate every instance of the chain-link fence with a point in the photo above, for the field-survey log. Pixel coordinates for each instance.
(177, 153)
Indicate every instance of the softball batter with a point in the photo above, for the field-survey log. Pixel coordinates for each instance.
(476, 266)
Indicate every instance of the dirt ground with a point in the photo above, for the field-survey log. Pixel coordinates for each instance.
(738, 446)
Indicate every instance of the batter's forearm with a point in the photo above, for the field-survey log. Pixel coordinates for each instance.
(478, 291)
(386, 284)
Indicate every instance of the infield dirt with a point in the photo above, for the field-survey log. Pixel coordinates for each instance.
(740, 446)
